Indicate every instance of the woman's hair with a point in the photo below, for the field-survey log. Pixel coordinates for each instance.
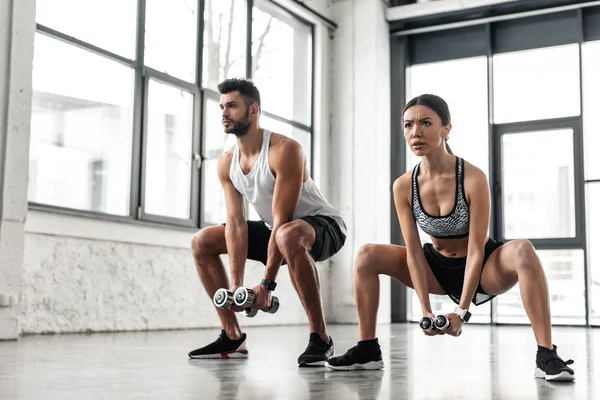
(437, 104)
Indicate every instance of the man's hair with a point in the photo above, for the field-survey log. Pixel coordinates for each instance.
(246, 88)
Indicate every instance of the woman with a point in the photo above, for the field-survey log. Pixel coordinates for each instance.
(449, 199)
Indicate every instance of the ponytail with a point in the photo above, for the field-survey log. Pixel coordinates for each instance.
(448, 147)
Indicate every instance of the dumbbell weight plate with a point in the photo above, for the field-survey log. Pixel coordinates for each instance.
(223, 298)
(426, 323)
(244, 297)
(250, 312)
(441, 322)
(274, 306)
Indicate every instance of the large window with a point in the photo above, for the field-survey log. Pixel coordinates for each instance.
(534, 99)
(281, 68)
(126, 120)
(469, 135)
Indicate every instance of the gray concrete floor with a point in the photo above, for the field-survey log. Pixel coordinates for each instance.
(485, 362)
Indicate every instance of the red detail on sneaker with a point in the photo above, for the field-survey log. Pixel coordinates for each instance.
(225, 355)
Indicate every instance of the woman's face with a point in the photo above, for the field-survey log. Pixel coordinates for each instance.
(423, 130)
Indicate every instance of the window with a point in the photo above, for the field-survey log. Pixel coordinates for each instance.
(281, 68)
(129, 126)
(593, 247)
(281, 63)
(168, 161)
(80, 128)
(171, 31)
(467, 103)
(591, 105)
(543, 187)
(468, 139)
(565, 274)
(536, 84)
(224, 51)
(88, 21)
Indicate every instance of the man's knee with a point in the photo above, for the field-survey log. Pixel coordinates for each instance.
(291, 239)
(205, 242)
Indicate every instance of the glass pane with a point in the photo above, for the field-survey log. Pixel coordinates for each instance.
(443, 305)
(591, 105)
(216, 141)
(467, 103)
(168, 151)
(565, 274)
(81, 129)
(282, 63)
(213, 198)
(536, 84)
(171, 31)
(538, 192)
(88, 21)
(224, 52)
(299, 135)
(593, 247)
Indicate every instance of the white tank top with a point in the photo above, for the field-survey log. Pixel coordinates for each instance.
(259, 185)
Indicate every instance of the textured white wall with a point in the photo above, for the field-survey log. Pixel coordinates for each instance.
(16, 51)
(78, 285)
(361, 143)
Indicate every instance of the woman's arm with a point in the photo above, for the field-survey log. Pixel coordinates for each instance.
(415, 257)
(478, 195)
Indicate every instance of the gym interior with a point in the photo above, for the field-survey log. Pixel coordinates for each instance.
(103, 186)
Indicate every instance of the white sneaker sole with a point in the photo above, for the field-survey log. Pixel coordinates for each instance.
(564, 376)
(371, 365)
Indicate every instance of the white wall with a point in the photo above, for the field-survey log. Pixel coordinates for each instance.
(360, 143)
(16, 33)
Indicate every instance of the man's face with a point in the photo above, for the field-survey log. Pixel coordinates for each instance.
(235, 115)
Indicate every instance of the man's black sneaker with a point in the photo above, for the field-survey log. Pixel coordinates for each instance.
(551, 367)
(317, 352)
(365, 355)
(223, 347)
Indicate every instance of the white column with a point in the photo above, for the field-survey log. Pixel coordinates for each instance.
(17, 28)
(360, 148)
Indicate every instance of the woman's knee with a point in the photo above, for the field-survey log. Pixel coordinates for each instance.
(524, 254)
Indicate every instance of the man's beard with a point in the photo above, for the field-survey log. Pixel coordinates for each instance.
(241, 127)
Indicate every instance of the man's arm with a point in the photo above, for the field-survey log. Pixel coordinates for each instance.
(288, 165)
(236, 229)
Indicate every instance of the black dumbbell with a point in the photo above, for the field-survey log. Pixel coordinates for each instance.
(244, 297)
(223, 298)
(441, 322)
(426, 323)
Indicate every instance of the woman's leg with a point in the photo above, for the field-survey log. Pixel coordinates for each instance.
(514, 262)
(373, 260)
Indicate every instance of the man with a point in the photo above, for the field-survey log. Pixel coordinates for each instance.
(298, 226)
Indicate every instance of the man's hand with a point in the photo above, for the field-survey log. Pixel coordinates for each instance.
(456, 324)
(262, 298)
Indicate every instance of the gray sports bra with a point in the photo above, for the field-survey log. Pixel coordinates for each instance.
(453, 225)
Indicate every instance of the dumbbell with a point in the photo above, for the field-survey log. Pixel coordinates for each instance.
(223, 298)
(244, 297)
(426, 323)
(441, 322)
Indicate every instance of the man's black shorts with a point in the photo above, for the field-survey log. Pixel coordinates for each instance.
(329, 239)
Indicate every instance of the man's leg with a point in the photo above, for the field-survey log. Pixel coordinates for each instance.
(295, 240)
(207, 245)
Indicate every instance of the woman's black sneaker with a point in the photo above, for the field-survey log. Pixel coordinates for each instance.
(317, 352)
(551, 367)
